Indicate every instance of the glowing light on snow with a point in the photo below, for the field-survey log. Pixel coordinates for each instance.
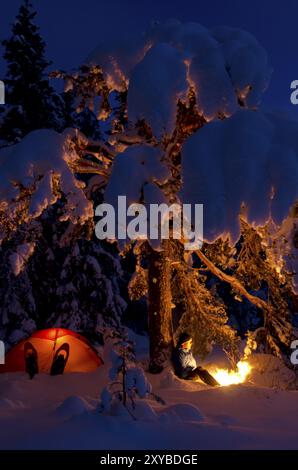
(229, 377)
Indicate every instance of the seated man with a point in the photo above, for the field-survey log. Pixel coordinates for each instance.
(185, 365)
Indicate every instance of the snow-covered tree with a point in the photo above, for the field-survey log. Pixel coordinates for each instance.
(88, 289)
(54, 270)
(18, 308)
(51, 279)
(190, 132)
(31, 101)
(257, 263)
(80, 108)
(128, 382)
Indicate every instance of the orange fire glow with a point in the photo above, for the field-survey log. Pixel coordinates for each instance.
(229, 377)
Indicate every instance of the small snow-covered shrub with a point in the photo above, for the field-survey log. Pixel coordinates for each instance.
(128, 380)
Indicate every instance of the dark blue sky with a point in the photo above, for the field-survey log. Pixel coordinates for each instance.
(72, 28)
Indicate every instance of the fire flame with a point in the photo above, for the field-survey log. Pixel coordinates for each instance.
(228, 377)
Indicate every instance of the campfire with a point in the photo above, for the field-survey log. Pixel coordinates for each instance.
(229, 377)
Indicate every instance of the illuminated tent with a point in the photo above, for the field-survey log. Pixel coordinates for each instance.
(82, 356)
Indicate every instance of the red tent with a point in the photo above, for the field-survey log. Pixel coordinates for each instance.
(82, 356)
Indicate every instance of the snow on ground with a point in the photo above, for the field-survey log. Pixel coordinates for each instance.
(62, 413)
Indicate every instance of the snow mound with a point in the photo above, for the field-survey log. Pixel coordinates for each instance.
(181, 412)
(144, 411)
(140, 410)
(223, 419)
(269, 371)
(73, 406)
(7, 404)
(168, 380)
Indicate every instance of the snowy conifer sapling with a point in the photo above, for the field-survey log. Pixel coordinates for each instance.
(128, 381)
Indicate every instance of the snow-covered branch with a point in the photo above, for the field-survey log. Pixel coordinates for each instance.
(234, 283)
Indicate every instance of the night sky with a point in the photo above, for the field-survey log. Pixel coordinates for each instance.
(72, 28)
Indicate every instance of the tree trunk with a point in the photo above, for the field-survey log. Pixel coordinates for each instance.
(159, 307)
